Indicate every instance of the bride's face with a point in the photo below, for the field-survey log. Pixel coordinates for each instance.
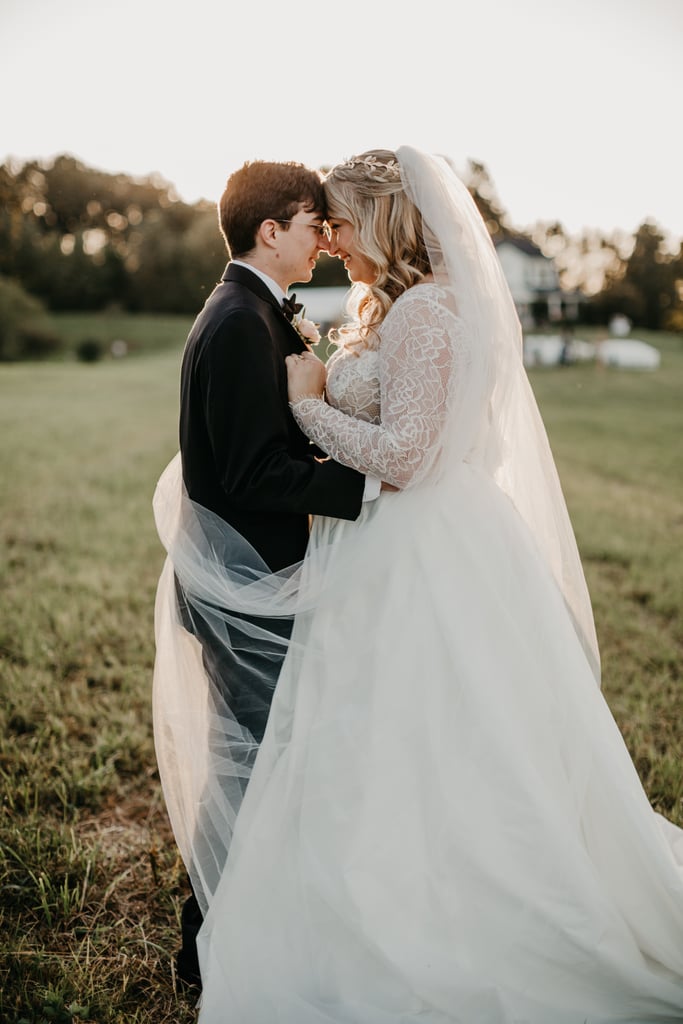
(342, 245)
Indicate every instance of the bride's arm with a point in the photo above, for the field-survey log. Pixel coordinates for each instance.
(416, 361)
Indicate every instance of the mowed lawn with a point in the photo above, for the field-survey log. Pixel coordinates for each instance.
(90, 881)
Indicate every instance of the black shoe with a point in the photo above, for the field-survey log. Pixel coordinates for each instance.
(187, 962)
(187, 971)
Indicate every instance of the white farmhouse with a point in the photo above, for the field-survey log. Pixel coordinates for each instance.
(534, 283)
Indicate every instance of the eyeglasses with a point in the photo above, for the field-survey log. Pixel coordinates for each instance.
(321, 230)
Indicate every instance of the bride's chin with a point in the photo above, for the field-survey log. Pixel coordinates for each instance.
(359, 278)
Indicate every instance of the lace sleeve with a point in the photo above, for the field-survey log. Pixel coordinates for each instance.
(417, 357)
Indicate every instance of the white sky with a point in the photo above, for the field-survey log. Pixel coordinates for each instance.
(575, 107)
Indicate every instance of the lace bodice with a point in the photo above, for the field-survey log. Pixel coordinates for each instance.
(409, 377)
(353, 383)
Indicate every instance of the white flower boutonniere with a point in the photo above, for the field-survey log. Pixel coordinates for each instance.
(306, 329)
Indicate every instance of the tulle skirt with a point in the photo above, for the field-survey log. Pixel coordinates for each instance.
(443, 823)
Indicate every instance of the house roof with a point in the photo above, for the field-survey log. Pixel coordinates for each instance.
(522, 243)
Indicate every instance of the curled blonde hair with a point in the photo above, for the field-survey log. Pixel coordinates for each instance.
(367, 190)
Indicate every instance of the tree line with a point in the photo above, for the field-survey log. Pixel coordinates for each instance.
(82, 239)
(78, 238)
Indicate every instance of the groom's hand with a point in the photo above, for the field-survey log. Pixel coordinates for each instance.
(306, 376)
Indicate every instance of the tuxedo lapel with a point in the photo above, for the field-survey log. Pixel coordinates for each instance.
(289, 338)
(240, 275)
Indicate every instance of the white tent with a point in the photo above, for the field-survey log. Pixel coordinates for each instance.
(625, 353)
(546, 350)
(322, 305)
(628, 353)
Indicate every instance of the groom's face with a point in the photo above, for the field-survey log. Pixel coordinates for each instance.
(299, 244)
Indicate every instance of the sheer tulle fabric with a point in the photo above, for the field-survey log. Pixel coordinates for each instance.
(214, 584)
(494, 421)
(442, 823)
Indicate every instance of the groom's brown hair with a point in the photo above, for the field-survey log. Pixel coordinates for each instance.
(260, 191)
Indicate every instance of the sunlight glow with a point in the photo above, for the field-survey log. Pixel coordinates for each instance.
(94, 240)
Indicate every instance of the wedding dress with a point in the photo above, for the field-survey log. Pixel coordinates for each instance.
(442, 823)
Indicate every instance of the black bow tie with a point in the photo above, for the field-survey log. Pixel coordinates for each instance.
(290, 306)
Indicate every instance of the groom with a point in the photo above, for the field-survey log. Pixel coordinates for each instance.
(243, 455)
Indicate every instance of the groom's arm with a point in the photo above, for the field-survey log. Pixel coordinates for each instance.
(250, 429)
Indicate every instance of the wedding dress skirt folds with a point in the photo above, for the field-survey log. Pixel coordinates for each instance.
(443, 823)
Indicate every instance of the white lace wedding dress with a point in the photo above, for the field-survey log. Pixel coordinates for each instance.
(443, 824)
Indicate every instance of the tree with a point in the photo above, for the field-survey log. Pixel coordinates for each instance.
(647, 287)
(83, 239)
(480, 186)
(25, 330)
(176, 262)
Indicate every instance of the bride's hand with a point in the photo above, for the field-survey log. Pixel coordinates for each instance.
(306, 376)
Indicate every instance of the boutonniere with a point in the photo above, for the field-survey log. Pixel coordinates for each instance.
(306, 329)
(296, 314)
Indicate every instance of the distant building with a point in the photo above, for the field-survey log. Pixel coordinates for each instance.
(534, 283)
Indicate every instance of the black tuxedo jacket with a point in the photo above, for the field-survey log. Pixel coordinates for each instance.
(243, 455)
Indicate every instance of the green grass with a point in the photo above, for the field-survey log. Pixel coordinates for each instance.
(143, 333)
(91, 883)
(616, 436)
(90, 878)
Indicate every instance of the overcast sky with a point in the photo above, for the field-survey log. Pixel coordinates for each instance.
(575, 107)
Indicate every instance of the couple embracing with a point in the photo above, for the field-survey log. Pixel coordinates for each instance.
(391, 774)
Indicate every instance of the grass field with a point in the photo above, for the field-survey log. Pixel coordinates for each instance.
(90, 880)
(143, 333)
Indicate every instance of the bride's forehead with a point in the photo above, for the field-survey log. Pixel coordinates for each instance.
(338, 214)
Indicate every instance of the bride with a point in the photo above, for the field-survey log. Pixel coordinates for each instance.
(442, 823)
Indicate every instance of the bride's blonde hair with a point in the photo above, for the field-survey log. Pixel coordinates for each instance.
(367, 190)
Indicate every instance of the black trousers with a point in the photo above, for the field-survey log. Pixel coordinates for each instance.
(244, 676)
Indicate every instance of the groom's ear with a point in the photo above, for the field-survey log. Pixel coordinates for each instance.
(267, 233)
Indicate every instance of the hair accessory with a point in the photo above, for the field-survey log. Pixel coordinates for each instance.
(376, 169)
